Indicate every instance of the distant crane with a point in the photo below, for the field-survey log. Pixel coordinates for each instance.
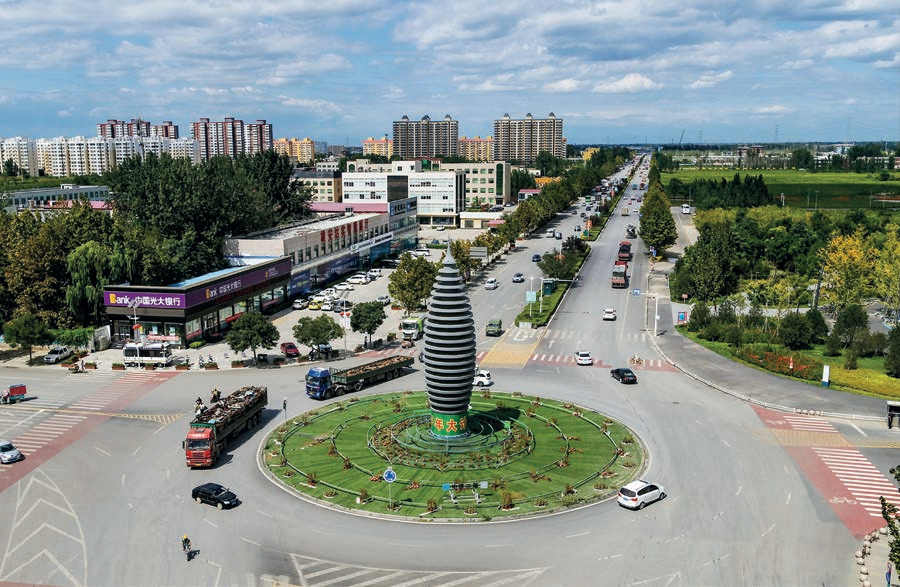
(682, 137)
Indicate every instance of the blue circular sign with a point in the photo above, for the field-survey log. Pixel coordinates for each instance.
(389, 475)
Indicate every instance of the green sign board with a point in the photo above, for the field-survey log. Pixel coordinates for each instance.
(449, 425)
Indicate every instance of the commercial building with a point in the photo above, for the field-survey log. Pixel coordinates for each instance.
(325, 185)
(51, 197)
(199, 308)
(426, 138)
(522, 139)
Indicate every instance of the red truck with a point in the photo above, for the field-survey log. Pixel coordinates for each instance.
(213, 427)
(624, 251)
(620, 274)
(14, 393)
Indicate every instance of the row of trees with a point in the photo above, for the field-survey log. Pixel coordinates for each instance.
(170, 223)
(706, 194)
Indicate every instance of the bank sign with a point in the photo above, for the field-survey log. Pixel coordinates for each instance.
(183, 301)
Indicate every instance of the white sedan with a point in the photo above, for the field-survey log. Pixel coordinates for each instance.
(344, 286)
(584, 358)
(609, 314)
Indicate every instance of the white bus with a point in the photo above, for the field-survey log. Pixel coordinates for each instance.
(139, 354)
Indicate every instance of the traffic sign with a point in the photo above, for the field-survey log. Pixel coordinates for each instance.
(389, 475)
(530, 297)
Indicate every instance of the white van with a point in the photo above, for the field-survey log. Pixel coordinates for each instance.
(685, 208)
(550, 233)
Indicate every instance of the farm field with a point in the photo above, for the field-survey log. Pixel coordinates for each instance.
(835, 190)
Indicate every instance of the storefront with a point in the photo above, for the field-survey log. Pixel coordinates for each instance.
(202, 308)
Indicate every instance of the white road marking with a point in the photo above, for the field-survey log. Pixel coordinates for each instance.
(579, 534)
(102, 451)
(739, 490)
(858, 429)
(725, 442)
(136, 451)
(123, 479)
(210, 523)
(266, 514)
(250, 541)
(610, 557)
(770, 528)
(788, 500)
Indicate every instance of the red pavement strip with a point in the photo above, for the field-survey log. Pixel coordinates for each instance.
(848, 503)
(11, 474)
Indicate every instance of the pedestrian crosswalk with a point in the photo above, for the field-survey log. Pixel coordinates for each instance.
(864, 483)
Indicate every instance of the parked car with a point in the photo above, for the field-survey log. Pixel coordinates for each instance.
(639, 493)
(300, 304)
(491, 283)
(215, 494)
(327, 307)
(57, 354)
(344, 286)
(329, 293)
(316, 303)
(483, 379)
(359, 279)
(609, 314)
(624, 375)
(584, 358)
(440, 227)
(535, 258)
(289, 349)
(374, 273)
(9, 453)
(385, 300)
(518, 278)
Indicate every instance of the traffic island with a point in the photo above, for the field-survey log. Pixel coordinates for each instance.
(521, 456)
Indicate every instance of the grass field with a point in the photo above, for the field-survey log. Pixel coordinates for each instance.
(564, 455)
(835, 190)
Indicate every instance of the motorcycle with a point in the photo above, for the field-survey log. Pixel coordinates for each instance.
(188, 551)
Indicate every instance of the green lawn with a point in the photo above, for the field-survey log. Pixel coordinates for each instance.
(835, 190)
(563, 457)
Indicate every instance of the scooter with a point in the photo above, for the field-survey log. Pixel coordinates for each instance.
(200, 361)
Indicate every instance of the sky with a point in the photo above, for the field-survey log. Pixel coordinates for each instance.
(636, 71)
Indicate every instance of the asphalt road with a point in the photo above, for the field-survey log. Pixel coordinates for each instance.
(104, 496)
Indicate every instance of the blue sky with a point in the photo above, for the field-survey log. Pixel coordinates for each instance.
(343, 70)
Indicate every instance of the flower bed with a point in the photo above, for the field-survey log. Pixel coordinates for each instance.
(795, 365)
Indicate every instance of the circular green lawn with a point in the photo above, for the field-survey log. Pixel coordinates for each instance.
(523, 455)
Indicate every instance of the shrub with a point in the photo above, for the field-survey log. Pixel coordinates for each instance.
(850, 360)
(817, 325)
(363, 495)
(700, 317)
(726, 313)
(431, 506)
(892, 358)
(197, 344)
(832, 346)
(712, 332)
(734, 336)
(795, 332)
(506, 500)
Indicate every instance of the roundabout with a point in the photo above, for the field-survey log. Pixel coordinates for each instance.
(523, 455)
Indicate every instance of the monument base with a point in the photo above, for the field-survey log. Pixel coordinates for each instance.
(449, 425)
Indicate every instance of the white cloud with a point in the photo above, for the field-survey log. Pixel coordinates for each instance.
(708, 80)
(319, 107)
(633, 82)
(563, 85)
(772, 109)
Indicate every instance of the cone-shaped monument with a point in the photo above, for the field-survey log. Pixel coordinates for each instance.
(449, 352)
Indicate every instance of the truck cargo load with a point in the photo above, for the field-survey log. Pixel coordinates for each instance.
(620, 274)
(212, 428)
(624, 251)
(324, 383)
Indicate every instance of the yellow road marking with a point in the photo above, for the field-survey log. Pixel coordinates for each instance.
(164, 419)
(504, 354)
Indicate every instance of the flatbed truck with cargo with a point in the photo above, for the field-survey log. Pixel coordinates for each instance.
(326, 383)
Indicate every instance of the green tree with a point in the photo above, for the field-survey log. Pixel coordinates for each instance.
(37, 274)
(89, 269)
(10, 169)
(892, 357)
(850, 322)
(315, 331)
(464, 262)
(889, 512)
(558, 265)
(252, 331)
(367, 317)
(700, 317)
(411, 282)
(794, 331)
(657, 225)
(818, 326)
(27, 331)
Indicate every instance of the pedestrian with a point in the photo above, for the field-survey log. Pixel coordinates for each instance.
(82, 364)
(887, 574)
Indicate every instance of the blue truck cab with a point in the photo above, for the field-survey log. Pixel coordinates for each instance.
(318, 382)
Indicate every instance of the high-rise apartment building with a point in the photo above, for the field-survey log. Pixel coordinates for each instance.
(113, 129)
(383, 147)
(23, 153)
(166, 130)
(52, 155)
(426, 138)
(477, 149)
(522, 139)
(300, 151)
(231, 137)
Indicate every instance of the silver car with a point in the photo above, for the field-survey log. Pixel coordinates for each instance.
(9, 453)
